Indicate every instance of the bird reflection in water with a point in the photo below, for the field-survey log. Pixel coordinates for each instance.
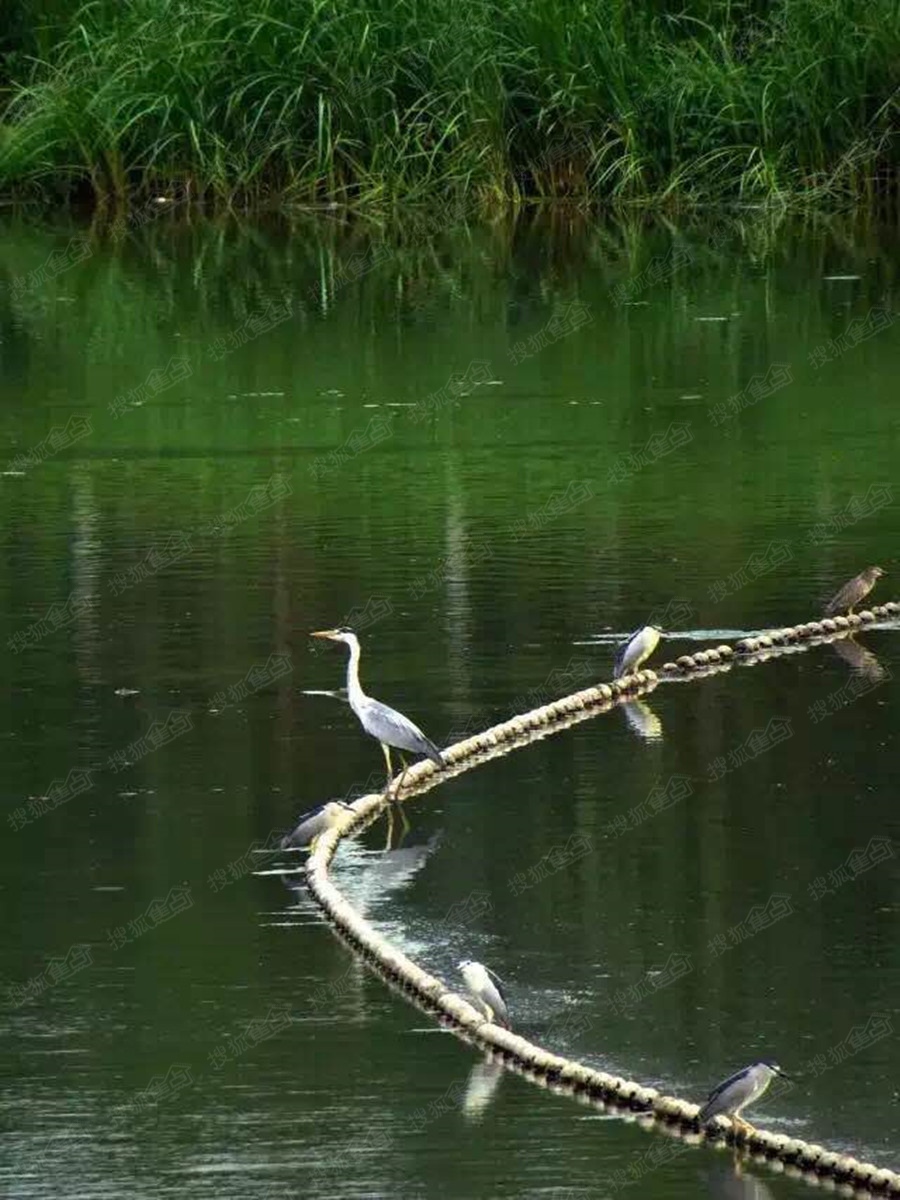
(370, 876)
(861, 661)
(731, 1183)
(483, 1081)
(643, 720)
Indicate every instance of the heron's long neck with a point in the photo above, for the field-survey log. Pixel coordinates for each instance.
(354, 687)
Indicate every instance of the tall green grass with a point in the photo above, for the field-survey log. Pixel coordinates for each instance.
(377, 101)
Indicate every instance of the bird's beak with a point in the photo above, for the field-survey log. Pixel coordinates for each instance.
(784, 1075)
(331, 634)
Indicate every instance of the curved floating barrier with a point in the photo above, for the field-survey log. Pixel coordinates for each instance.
(665, 1113)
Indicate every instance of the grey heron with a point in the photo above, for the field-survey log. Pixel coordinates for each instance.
(636, 650)
(380, 721)
(314, 822)
(854, 592)
(487, 989)
(737, 1092)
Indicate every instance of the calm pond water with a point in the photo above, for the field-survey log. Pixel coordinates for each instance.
(493, 448)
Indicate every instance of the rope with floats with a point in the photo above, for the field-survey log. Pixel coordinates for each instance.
(664, 1113)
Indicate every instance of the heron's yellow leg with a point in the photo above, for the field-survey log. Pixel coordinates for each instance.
(390, 769)
(391, 807)
(403, 820)
(743, 1127)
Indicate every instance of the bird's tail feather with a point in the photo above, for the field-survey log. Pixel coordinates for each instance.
(435, 755)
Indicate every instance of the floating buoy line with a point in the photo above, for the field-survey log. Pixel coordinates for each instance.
(668, 1114)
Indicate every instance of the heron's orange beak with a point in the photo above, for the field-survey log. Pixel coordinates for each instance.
(331, 634)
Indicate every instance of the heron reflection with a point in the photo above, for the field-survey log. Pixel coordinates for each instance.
(481, 1086)
(730, 1183)
(861, 661)
(382, 874)
(643, 720)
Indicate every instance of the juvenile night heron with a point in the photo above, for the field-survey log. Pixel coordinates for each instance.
(854, 592)
(636, 650)
(487, 989)
(390, 727)
(314, 822)
(737, 1092)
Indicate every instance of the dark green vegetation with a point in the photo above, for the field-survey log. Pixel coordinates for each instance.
(381, 100)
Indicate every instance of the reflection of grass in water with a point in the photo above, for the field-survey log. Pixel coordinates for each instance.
(199, 279)
(373, 101)
(214, 275)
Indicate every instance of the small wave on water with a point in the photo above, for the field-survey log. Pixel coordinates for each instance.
(705, 635)
(687, 635)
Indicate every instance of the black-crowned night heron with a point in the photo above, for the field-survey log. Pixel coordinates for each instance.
(737, 1092)
(487, 989)
(854, 592)
(636, 650)
(314, 822)
(380, 721)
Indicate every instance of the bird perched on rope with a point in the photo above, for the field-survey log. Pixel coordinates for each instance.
(380, 721)
(737, 1092)
(487, 989)
(314, 822)
(636, 650)
(854, 592)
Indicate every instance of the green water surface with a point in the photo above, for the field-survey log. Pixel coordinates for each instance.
(495, 449)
